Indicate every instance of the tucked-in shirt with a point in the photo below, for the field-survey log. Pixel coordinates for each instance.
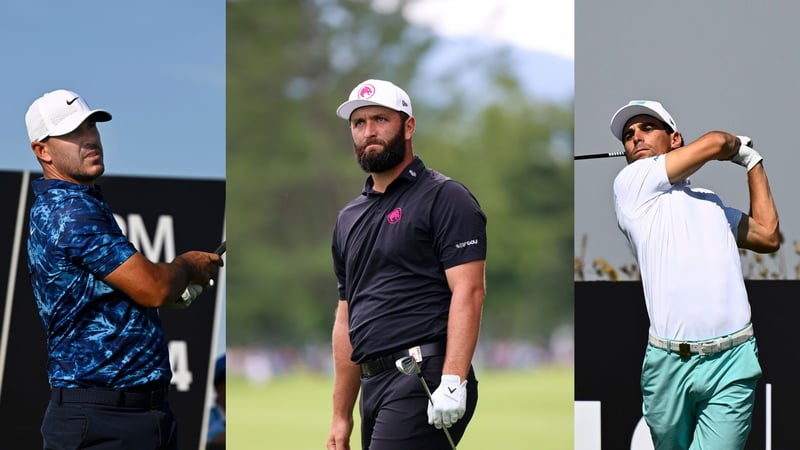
(684, 240)
(390, 253)
(96, 335)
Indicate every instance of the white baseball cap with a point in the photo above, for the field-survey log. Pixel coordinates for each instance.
(375, 92)
(58, 113)
(636, 107)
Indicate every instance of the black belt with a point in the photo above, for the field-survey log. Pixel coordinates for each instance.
(374, 366)
(131, 398)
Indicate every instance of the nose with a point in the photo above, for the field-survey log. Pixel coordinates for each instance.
(638, 135)
(370, 128)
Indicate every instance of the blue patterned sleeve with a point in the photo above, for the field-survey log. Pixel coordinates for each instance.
(90, 236)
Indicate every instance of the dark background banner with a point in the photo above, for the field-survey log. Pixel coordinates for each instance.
(163, 218)
(611, 334)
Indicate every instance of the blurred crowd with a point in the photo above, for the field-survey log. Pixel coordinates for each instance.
(259, 364)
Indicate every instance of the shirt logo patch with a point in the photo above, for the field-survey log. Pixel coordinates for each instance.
(394, 216)
(467, 243)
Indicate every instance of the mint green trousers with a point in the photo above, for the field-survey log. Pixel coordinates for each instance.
(704, 402)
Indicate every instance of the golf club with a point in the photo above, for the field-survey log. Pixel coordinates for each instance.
(220, 250)
(407, 365)
(599, 155)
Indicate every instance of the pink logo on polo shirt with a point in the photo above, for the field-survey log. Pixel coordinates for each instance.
(394, 216)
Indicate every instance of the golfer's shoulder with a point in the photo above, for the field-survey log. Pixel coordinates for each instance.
(639, 170)
(348, 214)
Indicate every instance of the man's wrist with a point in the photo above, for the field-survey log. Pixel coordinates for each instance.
(451, 379)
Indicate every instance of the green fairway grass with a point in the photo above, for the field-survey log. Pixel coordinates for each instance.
(516, 410)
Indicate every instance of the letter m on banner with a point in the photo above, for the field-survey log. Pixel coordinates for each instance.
(162, 243)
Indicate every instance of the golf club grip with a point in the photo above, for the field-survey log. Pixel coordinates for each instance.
(221, 249)
(600, 155)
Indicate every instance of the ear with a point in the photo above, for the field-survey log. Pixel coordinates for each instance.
(410, 126)
(676, 140)
(41, 151)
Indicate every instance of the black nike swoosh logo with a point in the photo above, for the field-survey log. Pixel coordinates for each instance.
(70, 102)
(451, 389)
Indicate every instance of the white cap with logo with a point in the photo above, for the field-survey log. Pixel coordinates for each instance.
(58, 113)
(375, 92)
(635, 108)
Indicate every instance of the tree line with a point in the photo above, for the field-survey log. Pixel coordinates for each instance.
(290, 165)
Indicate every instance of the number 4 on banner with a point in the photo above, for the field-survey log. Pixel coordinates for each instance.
(179, 361)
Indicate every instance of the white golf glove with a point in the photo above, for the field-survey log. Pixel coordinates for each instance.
(449, 402)
(746, 156)
(191, 292)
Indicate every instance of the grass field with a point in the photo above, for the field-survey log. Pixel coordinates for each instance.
(516, 410)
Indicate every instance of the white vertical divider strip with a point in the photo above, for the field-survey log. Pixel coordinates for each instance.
(12, 274)
(213, 350)
(768, 431)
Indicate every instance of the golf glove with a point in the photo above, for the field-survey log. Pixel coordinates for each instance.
(191, 292)
(448, 402)
(746, 156)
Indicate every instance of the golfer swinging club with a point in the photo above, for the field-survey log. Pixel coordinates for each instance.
(701, 363)
(409, 255)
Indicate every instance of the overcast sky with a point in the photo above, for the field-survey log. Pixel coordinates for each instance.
(538, 25)
(726, 65)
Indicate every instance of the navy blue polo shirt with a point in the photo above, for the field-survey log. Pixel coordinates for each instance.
(96, 336)
(390, 251)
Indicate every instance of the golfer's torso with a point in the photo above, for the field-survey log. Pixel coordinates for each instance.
(689, 261)
(396, 288)
(96, 336)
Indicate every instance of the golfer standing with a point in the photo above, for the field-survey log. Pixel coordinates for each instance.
(409, 256)
(108, 361)
(701, 364)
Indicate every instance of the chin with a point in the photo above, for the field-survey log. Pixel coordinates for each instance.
(96, 171)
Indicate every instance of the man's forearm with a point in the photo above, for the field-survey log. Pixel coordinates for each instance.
(347, 374)
(462, 332)
(762, 205)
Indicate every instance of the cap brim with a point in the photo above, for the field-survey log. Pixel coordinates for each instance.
(624, 114)
(72, 122)
(346, 109)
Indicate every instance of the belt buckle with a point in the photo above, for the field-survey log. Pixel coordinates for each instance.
(684, 350)
(416, 353)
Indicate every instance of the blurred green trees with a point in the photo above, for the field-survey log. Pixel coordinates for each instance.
(290, 166)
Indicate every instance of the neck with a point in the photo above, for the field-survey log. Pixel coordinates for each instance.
(54, 175)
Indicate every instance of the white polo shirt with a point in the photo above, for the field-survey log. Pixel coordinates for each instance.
(684, 240)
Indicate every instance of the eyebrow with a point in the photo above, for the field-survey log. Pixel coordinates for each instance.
(650, 121)
(377, 115)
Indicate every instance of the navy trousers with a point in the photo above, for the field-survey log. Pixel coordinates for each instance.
(394, 410)
(71, 426)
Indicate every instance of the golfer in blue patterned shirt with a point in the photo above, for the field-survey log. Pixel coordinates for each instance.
(108, 363)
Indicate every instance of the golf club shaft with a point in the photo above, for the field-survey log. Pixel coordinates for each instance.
(221, 249)
(430, 399)
(600, 155)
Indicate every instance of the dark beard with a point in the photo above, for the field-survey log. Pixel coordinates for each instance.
(392, 155)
